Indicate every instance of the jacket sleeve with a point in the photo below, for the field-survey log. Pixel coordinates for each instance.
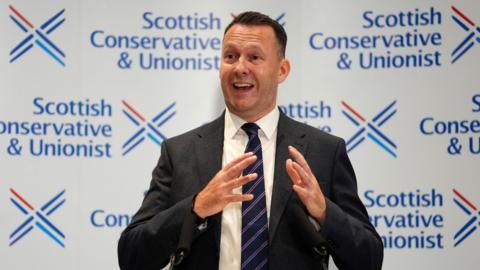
(353, 241)
(152, 236)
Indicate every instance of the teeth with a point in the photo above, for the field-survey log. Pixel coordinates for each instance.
(242, 84)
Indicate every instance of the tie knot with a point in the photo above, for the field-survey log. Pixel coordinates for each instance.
(250, 128)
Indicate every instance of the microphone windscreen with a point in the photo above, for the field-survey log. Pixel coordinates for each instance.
(305, 226)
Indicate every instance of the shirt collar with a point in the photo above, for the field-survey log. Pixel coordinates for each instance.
(268, 123)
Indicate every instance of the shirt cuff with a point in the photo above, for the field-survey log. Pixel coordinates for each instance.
(314, 223)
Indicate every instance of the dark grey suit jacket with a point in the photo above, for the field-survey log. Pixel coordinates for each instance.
(189, 161)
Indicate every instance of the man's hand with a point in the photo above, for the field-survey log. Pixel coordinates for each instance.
(218, 193)
(305, 185)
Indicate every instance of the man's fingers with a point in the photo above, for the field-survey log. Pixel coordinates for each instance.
(306, 179)
(239, 197)
(294, 176)
(240, 181)
(237, 160)
(302, 192)
(237, 169)
(298, 157)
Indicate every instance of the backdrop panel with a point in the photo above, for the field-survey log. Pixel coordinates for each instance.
(90, 89)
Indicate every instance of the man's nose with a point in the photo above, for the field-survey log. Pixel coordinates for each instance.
(241, 67)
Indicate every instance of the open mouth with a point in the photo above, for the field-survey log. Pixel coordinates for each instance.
(243, 86)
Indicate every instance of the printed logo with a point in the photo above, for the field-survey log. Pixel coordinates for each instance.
(472, 34)
(315, 113)
(146, 129)
(379, 39)
(473, 218)
(37, 36)
(461, 134)
(370, 128)
(38, 218)
(408, 219)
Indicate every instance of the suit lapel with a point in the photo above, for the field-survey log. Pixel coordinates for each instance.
(282, 185)
(209, 151)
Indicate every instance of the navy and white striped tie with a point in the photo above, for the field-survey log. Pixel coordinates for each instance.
(254, 212)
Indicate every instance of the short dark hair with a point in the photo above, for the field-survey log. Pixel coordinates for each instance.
(257, 19)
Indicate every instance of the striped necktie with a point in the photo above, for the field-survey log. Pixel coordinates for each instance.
(254, 212)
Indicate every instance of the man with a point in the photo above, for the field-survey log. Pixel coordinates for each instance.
(248, 210)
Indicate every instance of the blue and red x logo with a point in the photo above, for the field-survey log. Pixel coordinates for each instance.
(37, 218)
(146, 129)
(472, 30)
(473, 214)
(278, 18)
(37, 36)
(370, 129)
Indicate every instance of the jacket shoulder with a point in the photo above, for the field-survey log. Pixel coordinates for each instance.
(214, 126)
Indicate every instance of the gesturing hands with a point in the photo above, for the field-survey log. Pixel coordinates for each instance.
(306, 185)
(218, 192)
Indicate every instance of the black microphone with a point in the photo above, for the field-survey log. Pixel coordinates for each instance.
(188, 233)
(309, 234)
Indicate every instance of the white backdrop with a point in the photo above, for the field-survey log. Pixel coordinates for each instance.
(88, 90)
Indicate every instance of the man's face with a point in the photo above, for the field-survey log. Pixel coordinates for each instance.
(251, 70)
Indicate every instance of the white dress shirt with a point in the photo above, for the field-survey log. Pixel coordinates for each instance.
(234, 144)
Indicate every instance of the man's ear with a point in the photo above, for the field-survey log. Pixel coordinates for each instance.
(284, 70)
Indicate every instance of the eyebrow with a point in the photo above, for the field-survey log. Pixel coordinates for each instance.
(248, 46)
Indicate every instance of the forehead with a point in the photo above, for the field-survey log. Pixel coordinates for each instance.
(249, 34)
